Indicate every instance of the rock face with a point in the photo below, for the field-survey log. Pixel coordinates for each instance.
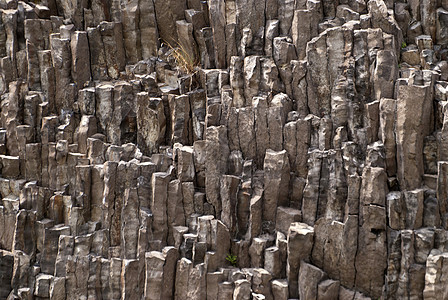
(224, 149)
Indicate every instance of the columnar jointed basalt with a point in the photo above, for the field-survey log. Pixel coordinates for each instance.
(224, 149)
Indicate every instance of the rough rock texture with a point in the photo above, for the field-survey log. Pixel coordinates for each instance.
(223, 149)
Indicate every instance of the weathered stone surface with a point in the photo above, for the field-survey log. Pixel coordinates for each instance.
(158, 205)
(309, 279)
(160, 270)
(167, 13)
(242, 290)
(299, 248)
(386, 133)
(276, 181)
(151, 122)
(410, 131)
(169, 149)
(217, 154)
(435, 267)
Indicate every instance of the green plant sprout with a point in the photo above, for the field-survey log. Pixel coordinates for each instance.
(403, 45)
(231, 259)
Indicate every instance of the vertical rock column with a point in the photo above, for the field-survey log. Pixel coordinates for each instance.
(372, 248)
(151, 123)
(217, 155)
(80, 58)
(131, 33)
(158, 205)
(217, 10)
(148, 29)
(276, 183)
(62, 61)
(412, 125)
(300, 243)
(112, 37)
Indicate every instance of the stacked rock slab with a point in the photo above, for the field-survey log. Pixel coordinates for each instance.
(224, 149)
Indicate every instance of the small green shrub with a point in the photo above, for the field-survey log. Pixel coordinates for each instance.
(403, 45)
(231, 259)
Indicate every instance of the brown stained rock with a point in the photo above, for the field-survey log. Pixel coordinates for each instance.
(237, 81)
(33, 67)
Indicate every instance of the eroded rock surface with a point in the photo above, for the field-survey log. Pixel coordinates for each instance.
(224, 149)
